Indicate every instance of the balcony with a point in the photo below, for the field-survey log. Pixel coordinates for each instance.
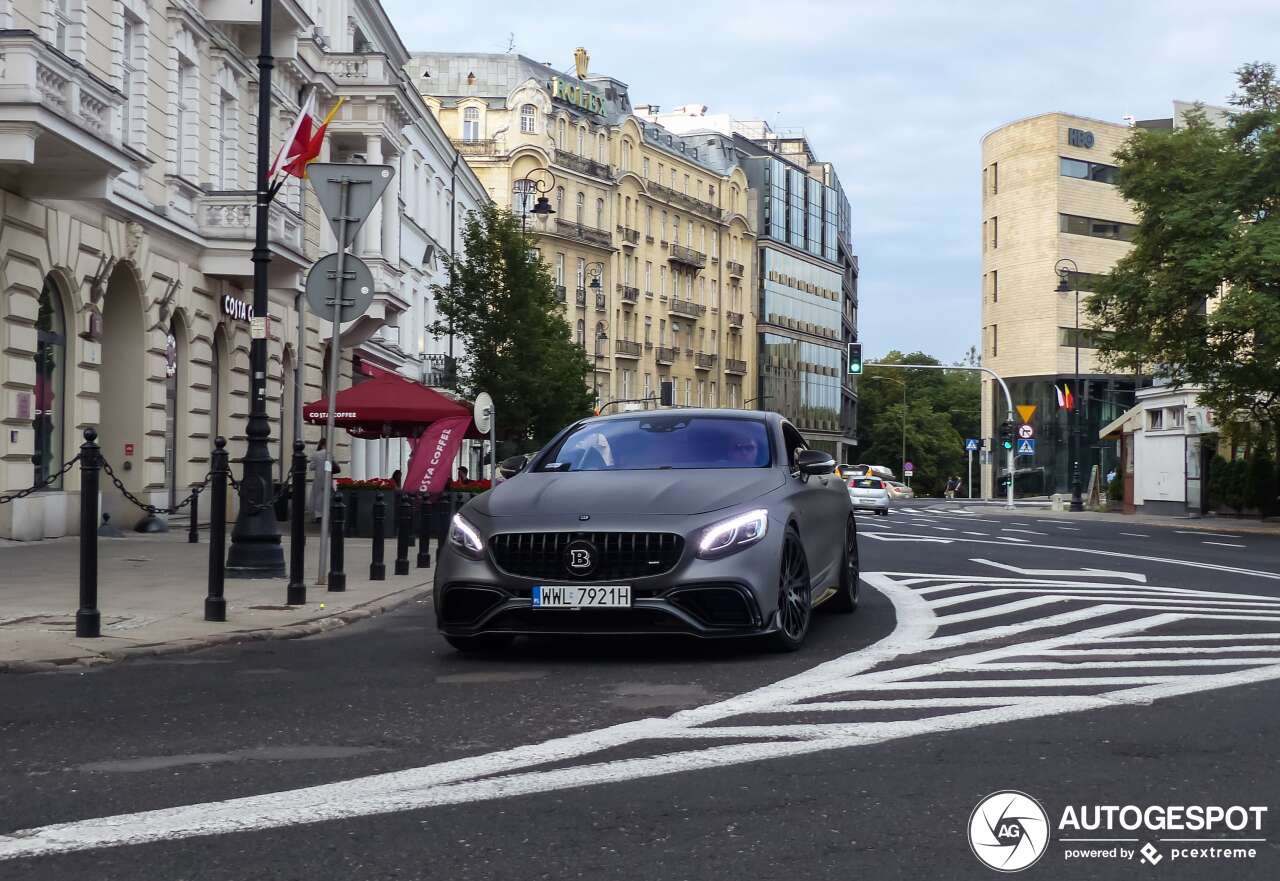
(684, 200)
(626, 349)
(227, 218)
(665, 355)
(482, 147)
(687, 256)
(630, 295)
(569, 229)
(703, 361)
(583, 165)
(734, 318)
(686, 308)
(602, 302)
(439, 371)
(560, 293)
(630, 237)
(59, 137)
(736, 269)
(580, 296)
(734, 366)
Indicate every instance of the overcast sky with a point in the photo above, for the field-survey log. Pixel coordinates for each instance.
(897, 95)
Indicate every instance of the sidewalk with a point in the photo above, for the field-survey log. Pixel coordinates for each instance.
(1208, 523)
(151, 591)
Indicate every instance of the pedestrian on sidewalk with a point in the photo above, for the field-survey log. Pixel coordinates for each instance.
(953, 486)
(319, 474)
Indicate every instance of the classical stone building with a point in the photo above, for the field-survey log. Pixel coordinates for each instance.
(651, 241)
(127, 139)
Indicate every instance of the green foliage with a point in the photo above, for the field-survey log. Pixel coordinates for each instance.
(501, 304)
(1227, 482)
(943, 408)
(1260, 483)
(1198, 296)
(1115, 489)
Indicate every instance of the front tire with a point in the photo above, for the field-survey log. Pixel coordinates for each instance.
(795, 597)
(845, 599)
(484, 642)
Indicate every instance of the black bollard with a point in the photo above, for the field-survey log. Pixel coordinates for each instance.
(424, 531)
(404, 534)
(377, 568)
(296, 593)
(88, 618)
(193, 532)
(215, 605)
(337, 521)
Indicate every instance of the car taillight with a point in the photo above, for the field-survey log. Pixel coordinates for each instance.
(884, 485)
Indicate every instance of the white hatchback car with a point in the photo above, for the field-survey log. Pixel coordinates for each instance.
(869, 493)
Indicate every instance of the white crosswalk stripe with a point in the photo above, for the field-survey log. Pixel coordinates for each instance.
(1044, 646)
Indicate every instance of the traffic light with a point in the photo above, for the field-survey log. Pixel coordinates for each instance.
(855, 358)
(1006, 435)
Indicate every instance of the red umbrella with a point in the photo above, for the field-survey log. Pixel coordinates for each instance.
(389, 405)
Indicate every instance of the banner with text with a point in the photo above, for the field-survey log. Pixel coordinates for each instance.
(431, 462)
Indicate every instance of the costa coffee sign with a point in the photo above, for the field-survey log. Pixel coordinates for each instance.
(237, 309)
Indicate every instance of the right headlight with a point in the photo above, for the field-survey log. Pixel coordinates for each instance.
(464, 538)
(733, 534)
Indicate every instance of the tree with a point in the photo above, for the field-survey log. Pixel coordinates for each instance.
(943, 408)
(501, 304)
(1197, 299)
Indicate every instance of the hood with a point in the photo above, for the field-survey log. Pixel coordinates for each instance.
(625, 492)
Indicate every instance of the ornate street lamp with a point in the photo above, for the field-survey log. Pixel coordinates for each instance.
(526, 187)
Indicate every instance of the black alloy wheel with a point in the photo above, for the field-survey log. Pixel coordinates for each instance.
(846, 597)
(795, 602)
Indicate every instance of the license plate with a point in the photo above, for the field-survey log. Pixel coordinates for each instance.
(577, 596)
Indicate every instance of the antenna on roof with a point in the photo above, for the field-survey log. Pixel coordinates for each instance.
(511, 42)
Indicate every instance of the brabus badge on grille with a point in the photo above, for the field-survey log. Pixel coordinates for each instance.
(580, 557)
(584, 517)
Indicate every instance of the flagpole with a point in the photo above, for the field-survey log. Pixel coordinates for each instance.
(255, 541)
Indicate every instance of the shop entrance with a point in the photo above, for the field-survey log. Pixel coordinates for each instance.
(123, 393)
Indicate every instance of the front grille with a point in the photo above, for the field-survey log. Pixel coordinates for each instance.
(622, 555)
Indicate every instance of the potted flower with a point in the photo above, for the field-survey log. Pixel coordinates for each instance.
(359, 496)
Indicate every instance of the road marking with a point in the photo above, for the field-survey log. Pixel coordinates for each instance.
(1224, 544)
(982, 534)
(944, 528)
(1202, 532)
(1027, 531)
(1012, 538)
(1135, 534)
(1072, 528)
(1096, 612)
(1093, 573)
(887, 536)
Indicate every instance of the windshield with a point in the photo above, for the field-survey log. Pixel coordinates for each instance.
(662, 440)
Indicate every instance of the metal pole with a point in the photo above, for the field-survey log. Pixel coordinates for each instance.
(88, 618)
(493, 446)
(1077, 503)
(344, 190)
(404, 533)
(215, 605)
(969, 485)
(377, 568)
(300, 306)
(337, 577)
(296, 593)
(255, 540)
(904, 433)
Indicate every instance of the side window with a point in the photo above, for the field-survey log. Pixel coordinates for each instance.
(794, 443)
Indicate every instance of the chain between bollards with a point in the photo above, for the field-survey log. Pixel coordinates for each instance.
(215, 604)
(296, 593)
(193, 531)
(88, 618)
(404, 534)
(338, 515)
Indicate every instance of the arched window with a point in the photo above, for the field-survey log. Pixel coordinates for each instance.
(582, 332)
(582, 204)
(49, 416)
(529, 119)
(560, 134)
(471, 124)
(172, 383)
(602, 150)
(626, 155)
(560, 201)
(599, 213)
(582, 141)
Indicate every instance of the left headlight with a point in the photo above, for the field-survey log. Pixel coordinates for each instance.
(463, 537)
(730, 535)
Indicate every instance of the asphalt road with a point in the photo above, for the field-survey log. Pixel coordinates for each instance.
(1078, 664)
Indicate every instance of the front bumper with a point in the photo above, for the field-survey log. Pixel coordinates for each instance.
(732, 596)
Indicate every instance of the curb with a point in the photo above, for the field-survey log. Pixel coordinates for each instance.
(300, 630)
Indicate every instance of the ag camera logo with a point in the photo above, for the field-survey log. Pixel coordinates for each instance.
(1008, 831)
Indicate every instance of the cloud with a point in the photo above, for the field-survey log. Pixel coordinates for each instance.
(898, 96)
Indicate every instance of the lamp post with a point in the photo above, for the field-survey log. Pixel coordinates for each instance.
(1064, 268)
(526, 187)
(255, 541)
(595, 270)
(902, 383)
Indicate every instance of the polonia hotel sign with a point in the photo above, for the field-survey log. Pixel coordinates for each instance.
(573, 93)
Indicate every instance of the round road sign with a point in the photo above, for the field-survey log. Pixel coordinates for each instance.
(1026, 432)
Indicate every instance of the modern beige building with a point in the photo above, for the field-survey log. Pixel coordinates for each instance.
(652, 238)
(128, 130)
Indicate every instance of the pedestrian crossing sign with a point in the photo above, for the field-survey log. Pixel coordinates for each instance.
(1026, 446)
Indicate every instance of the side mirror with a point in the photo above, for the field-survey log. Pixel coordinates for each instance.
(815, 462)
(509, 468)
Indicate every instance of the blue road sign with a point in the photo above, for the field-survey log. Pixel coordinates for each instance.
(1026, 446)
(971, 444)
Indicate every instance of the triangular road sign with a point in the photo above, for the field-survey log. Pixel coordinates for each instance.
(1026, 411)
(366, 184)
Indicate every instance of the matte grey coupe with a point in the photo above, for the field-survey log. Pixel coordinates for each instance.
(711, 523)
